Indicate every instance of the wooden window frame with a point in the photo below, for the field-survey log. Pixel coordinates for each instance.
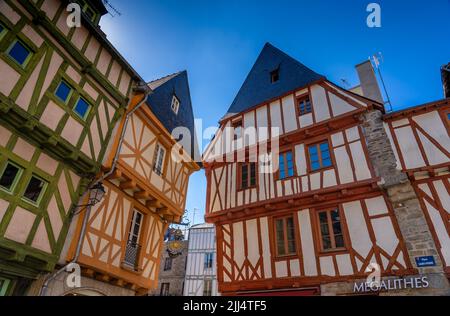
(41, 194)
(331, 231)
(207, 261)
(239, 176)
(69, 96)
(4, 286)
(87, 112)
(210, 287)
(235, 125)
(4, 32)
(301, 98)
(287, 177)
(27, 60)
(308, 156)
(168, 266)
(275, 74)
(286, 244)
(16, 179)
(177, 102)
(165, 286)
(155, 158)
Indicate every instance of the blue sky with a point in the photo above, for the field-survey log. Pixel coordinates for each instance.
(217, 42)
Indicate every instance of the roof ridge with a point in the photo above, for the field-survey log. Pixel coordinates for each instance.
(164, 77)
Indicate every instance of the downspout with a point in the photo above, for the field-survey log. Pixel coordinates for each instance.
(147, 92)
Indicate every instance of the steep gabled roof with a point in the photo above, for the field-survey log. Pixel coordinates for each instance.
(160, 101)
(258, 88)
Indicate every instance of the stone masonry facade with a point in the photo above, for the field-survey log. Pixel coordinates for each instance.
(408, 212)
(173, 276)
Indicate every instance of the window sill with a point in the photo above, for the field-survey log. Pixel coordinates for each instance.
(310, 171)
(333, 251)
(125, 266)
(249, 188)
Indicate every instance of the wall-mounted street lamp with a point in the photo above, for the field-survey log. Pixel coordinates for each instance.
(96, 194)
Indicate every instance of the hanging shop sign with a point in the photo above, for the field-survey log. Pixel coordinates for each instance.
(392, 285)
(175, 239)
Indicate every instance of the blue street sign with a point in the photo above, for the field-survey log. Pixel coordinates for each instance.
(426, 261)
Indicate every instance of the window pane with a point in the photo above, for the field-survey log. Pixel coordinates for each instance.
(8, 177)
(244, 178)
(326, 163)
(315, 166)
(1, 29)
(323, 218)
(19, 52)
(34, 189)
(339, 239)
(291, 235)
(324, 229)
(63, 91)
(252, 174)
(280, 237)
(81, 108)
(312, 150)
(326, 241)
(324, 147)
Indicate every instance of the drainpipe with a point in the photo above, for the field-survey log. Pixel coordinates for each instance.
(44, 287)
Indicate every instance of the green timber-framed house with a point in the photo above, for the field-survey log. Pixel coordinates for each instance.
(62, 91)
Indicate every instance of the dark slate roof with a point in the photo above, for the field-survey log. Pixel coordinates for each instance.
(160, 102)
(258, 88)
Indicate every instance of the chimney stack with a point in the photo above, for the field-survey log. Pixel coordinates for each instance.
(445, 72)
(368, 81)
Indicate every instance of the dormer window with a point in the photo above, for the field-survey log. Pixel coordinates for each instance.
(275, 76)
(237, 129)
(175, 105)
(89, 11)
(304, 105)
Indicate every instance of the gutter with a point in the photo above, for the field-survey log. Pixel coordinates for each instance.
(147, 91)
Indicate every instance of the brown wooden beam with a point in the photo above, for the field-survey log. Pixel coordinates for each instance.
(127, 185)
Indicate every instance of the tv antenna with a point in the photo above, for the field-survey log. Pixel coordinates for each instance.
(112, 10)
(377, 60)
(345, 83)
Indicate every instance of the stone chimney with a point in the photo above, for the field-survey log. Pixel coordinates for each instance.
(368, 81)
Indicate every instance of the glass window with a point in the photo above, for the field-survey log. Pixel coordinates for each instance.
(158, 159)
(248, 175)
(175, 105)
(35, 189)
(286, 165)
(209, 260)
(165, 289)
(237, 128)
(319, 156)
(4, 284)
(275, 76)
(2, 31)
(90, 13)
(285, 236)
(20, 53)
(207, 288)
(10, 176)
(304, 105)
(82, 108)
(63, 91)
(168, 264)
(331, 230)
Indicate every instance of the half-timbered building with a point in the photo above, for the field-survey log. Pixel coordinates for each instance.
(62, 91)
(201, 265)
(303, 185)
(146, 175)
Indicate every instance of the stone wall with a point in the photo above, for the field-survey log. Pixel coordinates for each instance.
(175, 276)
(89, 287)
(402, 196)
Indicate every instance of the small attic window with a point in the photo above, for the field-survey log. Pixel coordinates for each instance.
(175, 105)
(274, 75)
